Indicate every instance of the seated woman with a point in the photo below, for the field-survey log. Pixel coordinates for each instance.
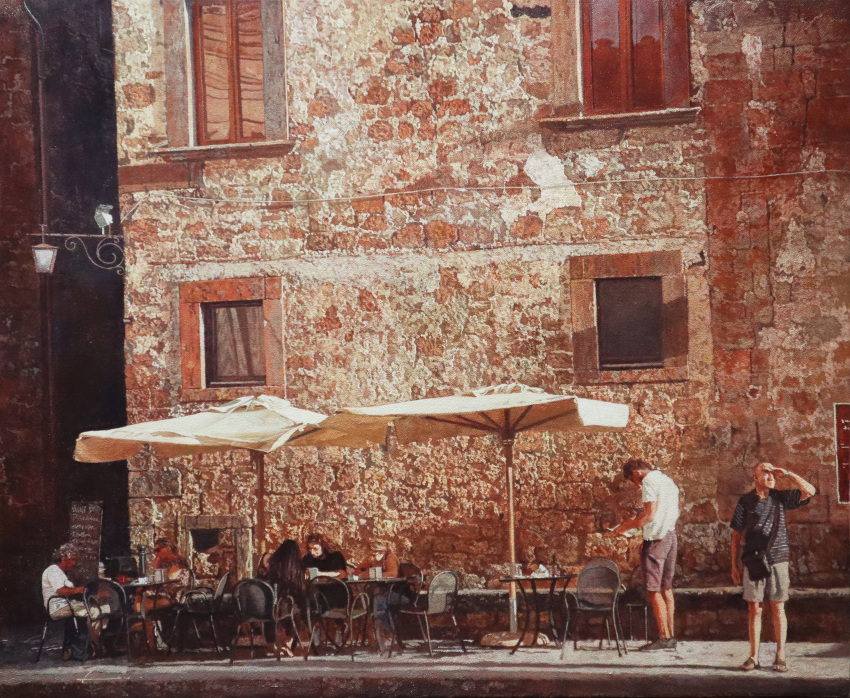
(166, 557)
(286, 573)
(263, 566)
(323, 556)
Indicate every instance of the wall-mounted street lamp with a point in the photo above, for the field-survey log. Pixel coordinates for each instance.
(104, 250)
(44, 255)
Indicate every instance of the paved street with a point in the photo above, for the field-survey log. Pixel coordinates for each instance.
(694, 668)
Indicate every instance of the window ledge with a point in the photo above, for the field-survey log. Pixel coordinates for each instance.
(662, 117)
(260, 149)
(225, 394)
(672, 374)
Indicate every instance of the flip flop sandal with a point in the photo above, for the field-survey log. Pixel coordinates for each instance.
(780, 666)
(749, 665)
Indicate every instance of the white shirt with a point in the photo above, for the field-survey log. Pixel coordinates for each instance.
(52, 580)
(657, 487)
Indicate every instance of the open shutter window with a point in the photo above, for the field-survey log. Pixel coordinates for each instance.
(228, 44)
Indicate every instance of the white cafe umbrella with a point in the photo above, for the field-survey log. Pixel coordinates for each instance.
(504, 410)
(260, 424)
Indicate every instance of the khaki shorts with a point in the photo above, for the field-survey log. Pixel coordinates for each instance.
(658, 562)
(775, 587)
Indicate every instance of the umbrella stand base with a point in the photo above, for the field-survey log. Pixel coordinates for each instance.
(504, 638)
(512, 610)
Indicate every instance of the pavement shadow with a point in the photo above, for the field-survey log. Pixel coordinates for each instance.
(833, 652)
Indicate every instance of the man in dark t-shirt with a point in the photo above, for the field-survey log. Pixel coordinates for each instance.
(757, 513)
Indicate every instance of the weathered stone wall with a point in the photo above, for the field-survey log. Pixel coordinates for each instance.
(778, 100)
(21, 484)
(423, 293)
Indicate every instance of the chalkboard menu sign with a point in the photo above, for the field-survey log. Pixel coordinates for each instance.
(86, 518)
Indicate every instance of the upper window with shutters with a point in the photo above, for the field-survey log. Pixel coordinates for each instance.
(225, 68)
(227, 43)
(620, 58)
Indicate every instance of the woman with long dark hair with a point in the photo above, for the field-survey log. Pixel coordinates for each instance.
(287, 574)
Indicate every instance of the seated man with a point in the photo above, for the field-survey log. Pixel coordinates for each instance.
(55, 583)
(384, 604)
(382, 556)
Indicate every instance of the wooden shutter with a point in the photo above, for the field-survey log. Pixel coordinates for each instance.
(842, 445)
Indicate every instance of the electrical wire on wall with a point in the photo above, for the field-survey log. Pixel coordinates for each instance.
(504, 188)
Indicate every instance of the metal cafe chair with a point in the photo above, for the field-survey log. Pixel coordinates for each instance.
(409, 587)
(441, 600)
(335, 607)
(106, 605)
(201, 602)
(48, 621)
(294, 617)
(597, 592)
(255, 603)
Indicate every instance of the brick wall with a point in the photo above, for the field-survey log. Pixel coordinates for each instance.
(421, 293)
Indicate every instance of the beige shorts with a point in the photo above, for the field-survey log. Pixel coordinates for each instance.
(77, 608)
(774, 588)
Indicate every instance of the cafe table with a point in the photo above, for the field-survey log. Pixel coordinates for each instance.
(539, 601)
(371, 585)
(135, 589)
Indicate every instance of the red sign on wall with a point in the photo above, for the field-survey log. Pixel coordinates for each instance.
(842, 447)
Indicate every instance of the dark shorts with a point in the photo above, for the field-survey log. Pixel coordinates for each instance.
(658, 562)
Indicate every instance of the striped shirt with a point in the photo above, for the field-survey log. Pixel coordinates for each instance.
(756, 516)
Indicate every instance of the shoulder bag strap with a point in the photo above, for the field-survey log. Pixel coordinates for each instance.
(775, 530)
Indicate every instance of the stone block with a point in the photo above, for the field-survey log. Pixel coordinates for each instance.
(155, 483)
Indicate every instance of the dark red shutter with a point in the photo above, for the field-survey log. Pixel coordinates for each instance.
(634, 55)
(842, 444)
(677, 73)
(647, 55)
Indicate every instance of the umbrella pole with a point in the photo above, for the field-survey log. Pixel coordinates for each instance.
(259, 459)
(508, 446)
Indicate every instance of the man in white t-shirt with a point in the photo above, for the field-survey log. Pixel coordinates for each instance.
(58, 593)
(658, 553)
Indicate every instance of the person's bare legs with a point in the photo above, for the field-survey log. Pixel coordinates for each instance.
(780, 628)
(755, 629)
(659, 608)
(671, 608)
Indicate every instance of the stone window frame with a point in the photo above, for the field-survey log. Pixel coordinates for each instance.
(585, 270)
(179, 91)
(192, 295)
(567, 72)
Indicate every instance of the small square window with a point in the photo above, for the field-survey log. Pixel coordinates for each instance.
(233, 344)
(630, 323)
